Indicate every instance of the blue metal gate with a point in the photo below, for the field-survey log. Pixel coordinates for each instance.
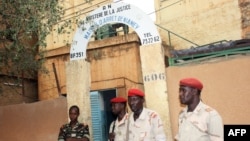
(98, 117)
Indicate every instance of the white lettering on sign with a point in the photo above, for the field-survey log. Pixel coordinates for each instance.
(113, 13)
(237, 132)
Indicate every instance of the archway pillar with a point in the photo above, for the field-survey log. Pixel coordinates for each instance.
(155, 85)
(78, 88)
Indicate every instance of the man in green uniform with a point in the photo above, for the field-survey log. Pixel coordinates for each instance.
(74, 131)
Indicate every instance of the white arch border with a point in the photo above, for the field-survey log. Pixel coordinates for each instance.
(113, 13)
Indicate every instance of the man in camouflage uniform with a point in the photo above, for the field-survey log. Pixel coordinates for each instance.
(197, 121)
(74, 131)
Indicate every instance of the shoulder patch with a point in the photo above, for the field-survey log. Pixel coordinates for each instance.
(209, 109)
(153, 115)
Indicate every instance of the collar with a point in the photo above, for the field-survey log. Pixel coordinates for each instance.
(125, 117)
(196, 110)
(143, 114)
(77, 124)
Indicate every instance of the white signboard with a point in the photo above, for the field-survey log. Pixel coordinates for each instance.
(113, 13)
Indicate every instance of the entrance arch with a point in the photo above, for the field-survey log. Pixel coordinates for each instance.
(113, 13)
(151, 55)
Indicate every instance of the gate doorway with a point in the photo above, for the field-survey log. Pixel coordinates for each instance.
(101, 113)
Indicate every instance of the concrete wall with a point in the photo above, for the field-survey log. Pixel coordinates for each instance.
(226, 88)
(201, 22)
(38, 121)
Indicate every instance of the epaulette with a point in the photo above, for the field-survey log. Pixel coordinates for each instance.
(209, 109)
(153, 115)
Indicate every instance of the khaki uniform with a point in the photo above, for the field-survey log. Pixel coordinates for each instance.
(120, 128)
(148, 127)
(203, 124)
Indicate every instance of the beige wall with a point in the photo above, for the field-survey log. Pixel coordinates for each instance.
(226, 88)
(38, 121)
(199, 21)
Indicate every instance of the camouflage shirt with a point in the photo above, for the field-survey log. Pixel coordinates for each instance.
(78, 131)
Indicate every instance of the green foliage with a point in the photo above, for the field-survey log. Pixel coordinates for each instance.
(24, 26)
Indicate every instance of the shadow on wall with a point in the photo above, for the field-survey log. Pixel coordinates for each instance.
(38, 121)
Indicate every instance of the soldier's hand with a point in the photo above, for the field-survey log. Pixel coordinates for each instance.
(111, 136)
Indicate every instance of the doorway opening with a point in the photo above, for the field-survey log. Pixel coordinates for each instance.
(101, 113)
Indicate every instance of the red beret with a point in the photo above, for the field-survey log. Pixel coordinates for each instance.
(135, 92)
(191, 82)
(118, 100)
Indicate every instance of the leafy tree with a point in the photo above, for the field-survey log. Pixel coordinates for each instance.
(24, 25)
